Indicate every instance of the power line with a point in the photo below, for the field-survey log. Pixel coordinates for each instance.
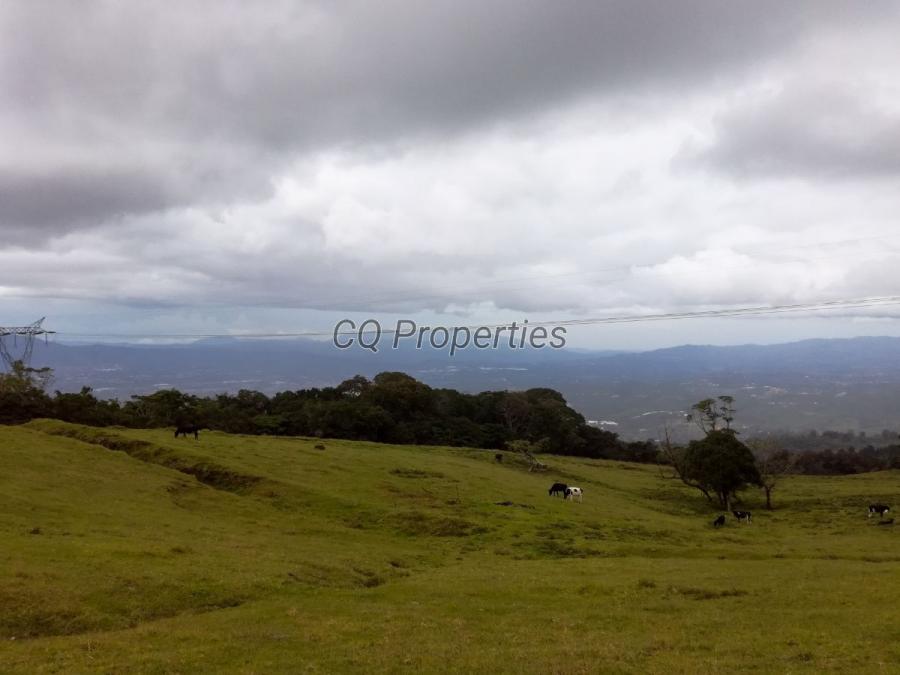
(500, 284)
(613, 319)
(447, 295)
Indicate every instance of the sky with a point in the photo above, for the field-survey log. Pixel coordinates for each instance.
(233, 167)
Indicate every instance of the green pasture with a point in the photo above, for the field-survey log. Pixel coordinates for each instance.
(128, 551)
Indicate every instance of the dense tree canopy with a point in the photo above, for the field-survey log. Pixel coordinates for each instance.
(392, 407)
(720, 465)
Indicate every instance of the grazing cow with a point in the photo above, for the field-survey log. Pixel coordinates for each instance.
(880, 509)
(573, 493)
(557, 489)
(742, 516)
(720, 521)
(185, 429)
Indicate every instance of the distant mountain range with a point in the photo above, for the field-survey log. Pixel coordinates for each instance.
(813, 384)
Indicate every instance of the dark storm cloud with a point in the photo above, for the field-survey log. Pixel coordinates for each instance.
(37, 202)
(301, 74)
(820, 133)
(38, 199)
(263, 82)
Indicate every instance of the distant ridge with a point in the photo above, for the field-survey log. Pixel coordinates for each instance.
(848, 383)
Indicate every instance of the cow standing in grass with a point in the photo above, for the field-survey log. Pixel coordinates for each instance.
(880, 509)
(185, 429)
(557, 489)
(573, 493)
(742, 516)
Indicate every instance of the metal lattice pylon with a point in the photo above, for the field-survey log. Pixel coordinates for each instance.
(18, 334)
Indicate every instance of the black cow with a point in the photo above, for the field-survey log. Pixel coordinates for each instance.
(880, 509)
(557, 489)
(742, 516)
(185, 429)
(720, 521)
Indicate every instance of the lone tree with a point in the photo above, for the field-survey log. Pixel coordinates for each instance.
(721, 465)
(718, 464)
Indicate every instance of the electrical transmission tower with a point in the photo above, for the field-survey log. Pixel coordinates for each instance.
(18, 334)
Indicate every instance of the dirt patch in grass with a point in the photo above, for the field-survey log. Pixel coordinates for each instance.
(220, 478)
(706, 593)
(317, 575)
(521, 506)
(210, 474)
(880, 558)
(368, 578)
(28, 615)
(416, 473)
(564, 548)
(360, 519)
(415, 524)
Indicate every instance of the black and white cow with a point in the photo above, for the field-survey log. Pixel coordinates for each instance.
(720, 521)
(557, 489)
(742, 516)
(573, 493)
(880, 509)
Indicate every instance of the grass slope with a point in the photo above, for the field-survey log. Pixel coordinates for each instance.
(131, 551)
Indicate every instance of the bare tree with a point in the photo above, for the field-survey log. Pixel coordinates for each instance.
(773, 464)
(23, 377)
(527, 450)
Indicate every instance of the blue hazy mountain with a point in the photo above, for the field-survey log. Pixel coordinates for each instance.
(834, 384)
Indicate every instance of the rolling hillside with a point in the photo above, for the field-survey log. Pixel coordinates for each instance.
(128, 550)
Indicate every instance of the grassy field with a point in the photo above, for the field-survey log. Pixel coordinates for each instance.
(130, 551)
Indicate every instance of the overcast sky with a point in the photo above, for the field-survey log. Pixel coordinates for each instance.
(272, 166)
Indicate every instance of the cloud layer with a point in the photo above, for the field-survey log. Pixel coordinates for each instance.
(532, 157)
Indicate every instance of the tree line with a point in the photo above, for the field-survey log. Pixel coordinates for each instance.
(840, 452)
(392, 407)
(834, 440)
